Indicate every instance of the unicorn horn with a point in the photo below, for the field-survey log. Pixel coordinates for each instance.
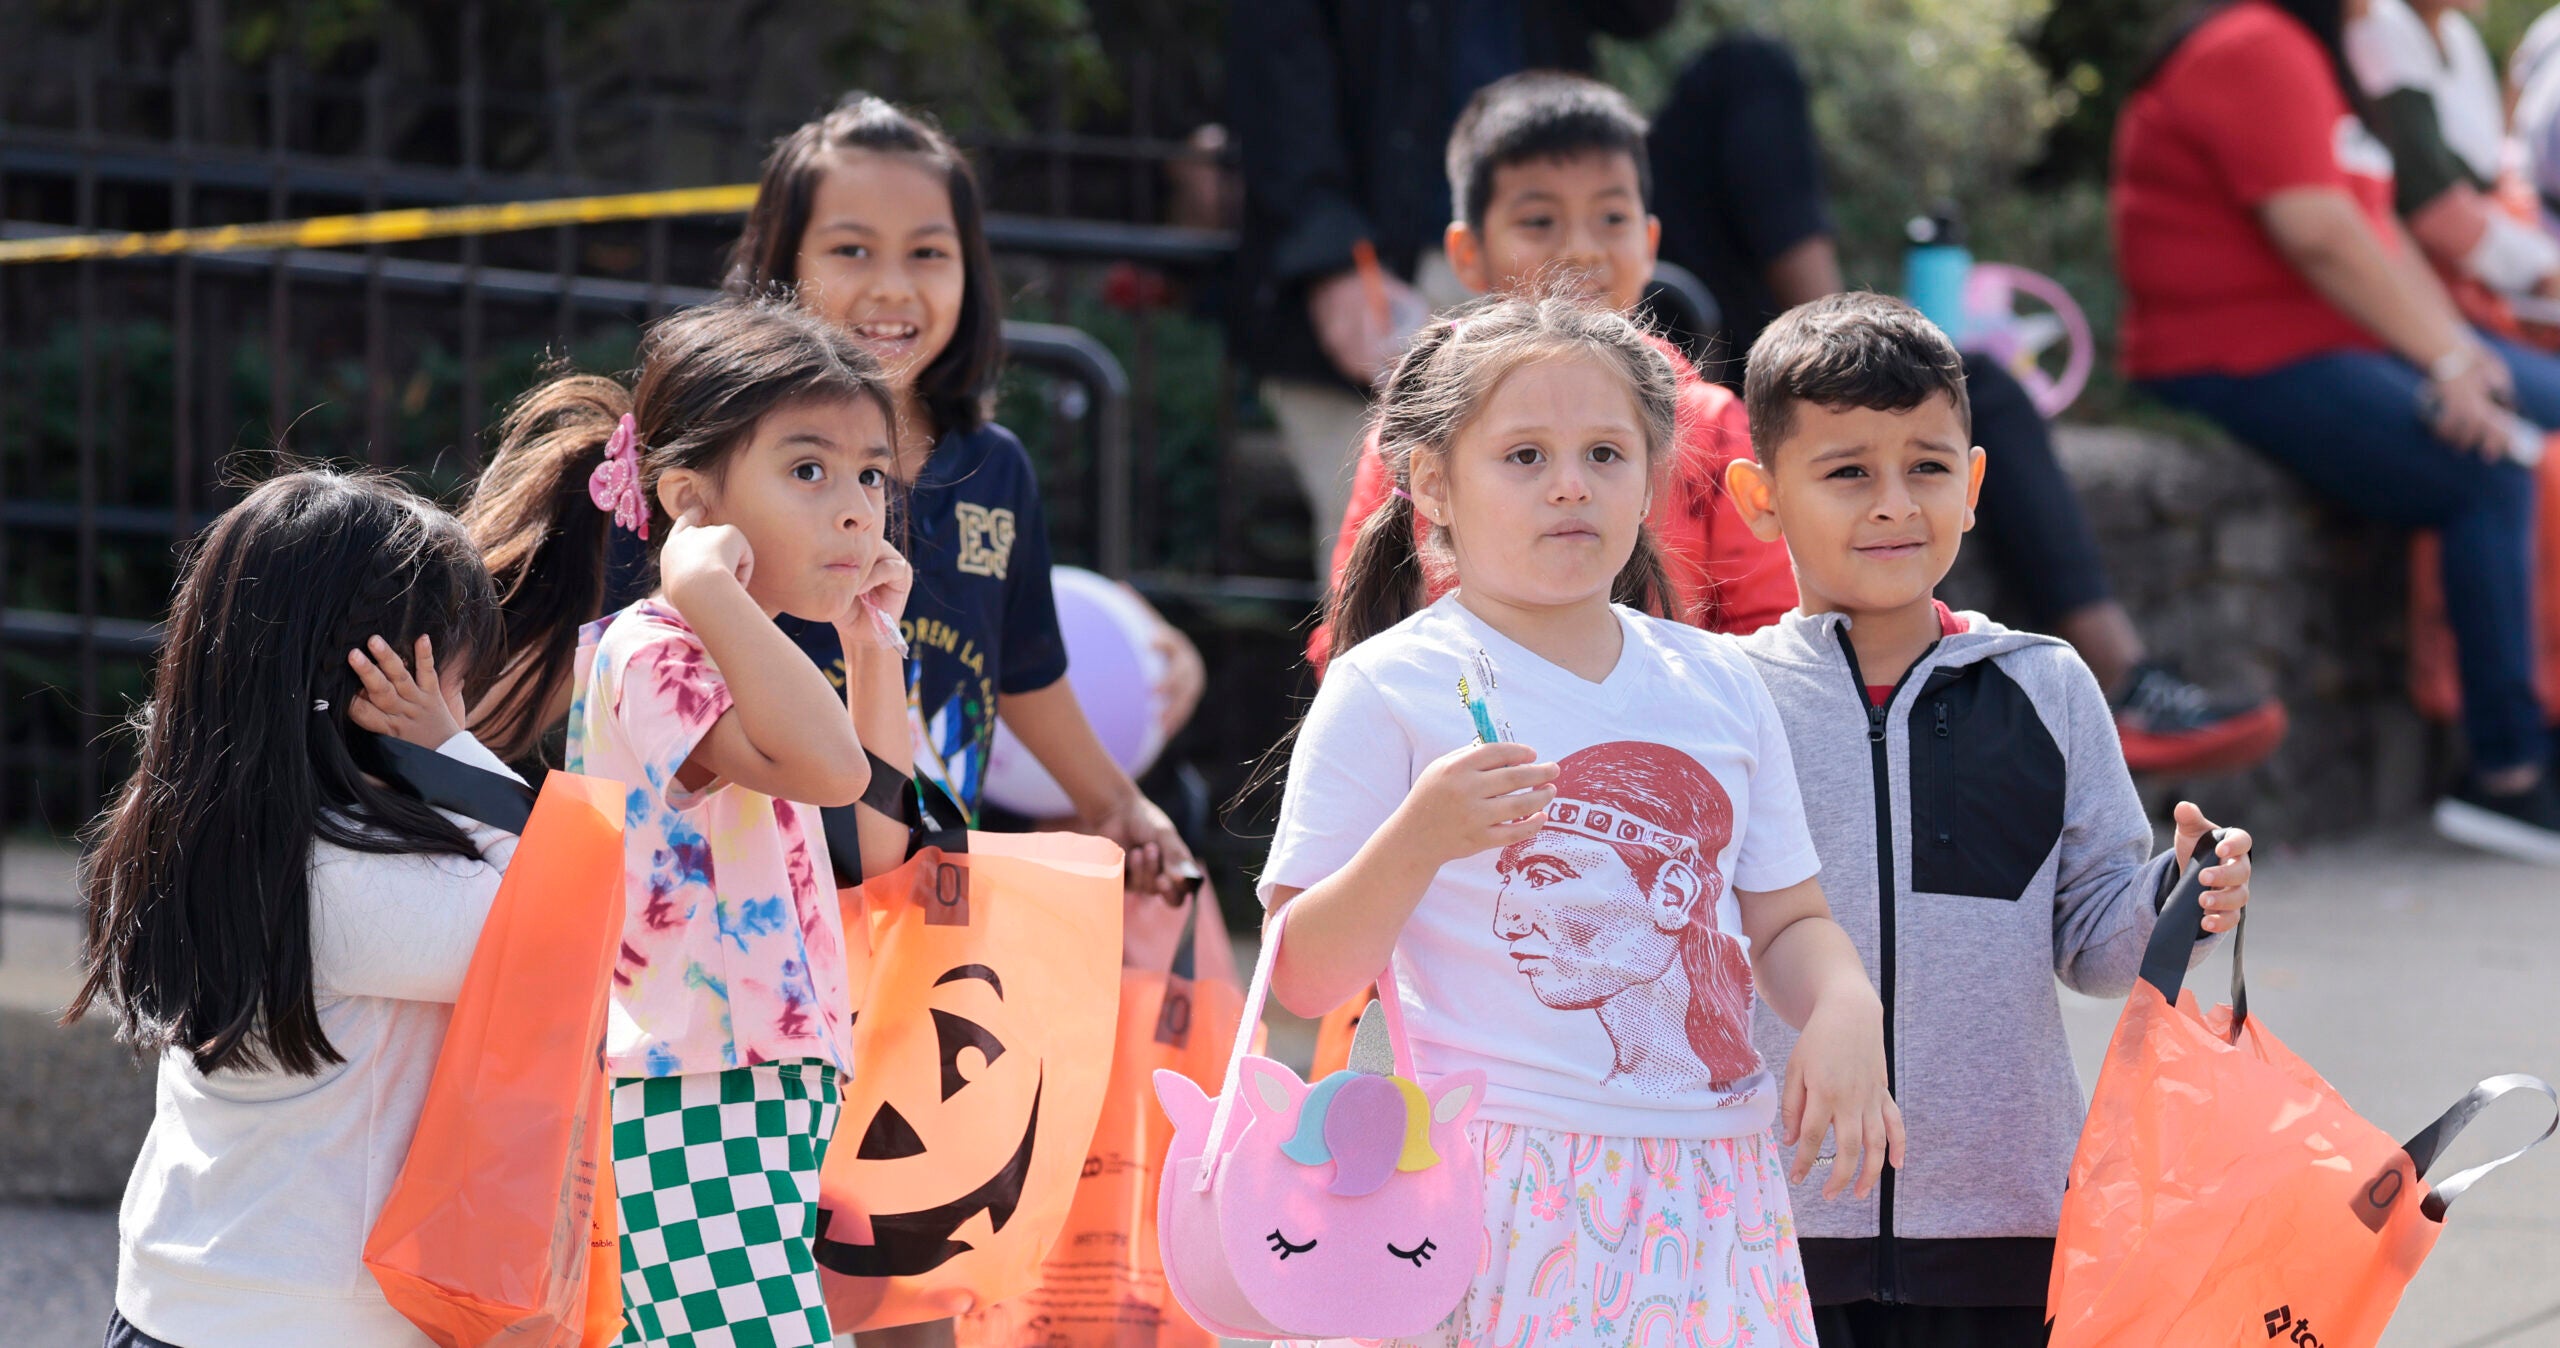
(1370, 1051)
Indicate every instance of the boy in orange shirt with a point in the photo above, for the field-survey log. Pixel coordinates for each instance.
(1551, 181)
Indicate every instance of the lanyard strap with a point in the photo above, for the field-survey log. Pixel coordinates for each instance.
(495, 799)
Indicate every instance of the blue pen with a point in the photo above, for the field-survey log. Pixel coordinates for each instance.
(1475, 689)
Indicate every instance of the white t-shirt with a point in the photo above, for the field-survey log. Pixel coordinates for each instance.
(1597, 974)
(247, 1213)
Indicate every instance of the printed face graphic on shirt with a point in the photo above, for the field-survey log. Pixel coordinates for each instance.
(1612, 909)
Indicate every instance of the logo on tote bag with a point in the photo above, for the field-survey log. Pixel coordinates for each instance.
(2281, 1319)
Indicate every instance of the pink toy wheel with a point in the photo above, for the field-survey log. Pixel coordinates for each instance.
(2048, 347)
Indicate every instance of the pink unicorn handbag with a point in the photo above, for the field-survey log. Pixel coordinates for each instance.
(1353, 1208)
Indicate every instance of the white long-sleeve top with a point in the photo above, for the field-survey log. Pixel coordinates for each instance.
(245, 1220)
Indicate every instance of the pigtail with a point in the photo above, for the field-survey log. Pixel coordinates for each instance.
(1644, 583)
(1381, 584)
(545, 543)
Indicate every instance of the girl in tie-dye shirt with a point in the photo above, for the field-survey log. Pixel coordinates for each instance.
(752, 458)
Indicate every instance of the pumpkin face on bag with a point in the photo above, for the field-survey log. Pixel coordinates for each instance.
(986, 984)
(942, 1133)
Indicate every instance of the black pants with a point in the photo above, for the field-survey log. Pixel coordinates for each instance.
(1869, 1324)
(2029, 518)
(121, 1334)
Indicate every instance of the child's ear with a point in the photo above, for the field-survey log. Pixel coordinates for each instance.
(1973, 484)
(1652, 243)
(680, 490)
(1431, 488)
(1466, 256)
(1755, 496)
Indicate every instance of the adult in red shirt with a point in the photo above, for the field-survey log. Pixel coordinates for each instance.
(1552, 184)
(2269, 286)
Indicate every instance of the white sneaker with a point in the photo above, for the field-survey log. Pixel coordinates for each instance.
(2524, 825)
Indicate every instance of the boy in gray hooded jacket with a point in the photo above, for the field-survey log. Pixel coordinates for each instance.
(1979, 832)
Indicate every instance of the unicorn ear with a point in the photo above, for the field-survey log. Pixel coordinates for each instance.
(1454, 1098)
(1271, 1090)
(1183, 1101)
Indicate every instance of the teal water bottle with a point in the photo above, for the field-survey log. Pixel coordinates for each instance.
(1936, 267)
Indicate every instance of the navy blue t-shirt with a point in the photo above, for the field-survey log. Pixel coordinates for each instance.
(982, 621)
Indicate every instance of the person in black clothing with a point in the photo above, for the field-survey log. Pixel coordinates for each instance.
(1740, 196)
(1341, 111)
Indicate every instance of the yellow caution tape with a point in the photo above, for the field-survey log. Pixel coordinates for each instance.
(404, 226)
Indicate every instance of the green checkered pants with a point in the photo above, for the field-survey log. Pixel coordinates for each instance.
(718, 1178)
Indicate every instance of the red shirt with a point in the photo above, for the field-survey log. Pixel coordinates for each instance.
(2246, 107)
(1950, 623)
(1727, 579)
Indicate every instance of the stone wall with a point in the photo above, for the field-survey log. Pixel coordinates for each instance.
(2231, 568)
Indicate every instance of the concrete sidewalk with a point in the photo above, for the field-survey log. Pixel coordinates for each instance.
(2403, 968)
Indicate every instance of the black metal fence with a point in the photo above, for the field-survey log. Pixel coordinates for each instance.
(133, 393)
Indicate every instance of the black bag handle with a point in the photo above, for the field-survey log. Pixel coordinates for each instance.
(2428, 1146)
(932, 820)
(2173, 941)
(1186, 953)
(493, 798)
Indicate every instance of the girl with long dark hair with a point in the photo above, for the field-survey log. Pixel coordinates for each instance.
(283, 930)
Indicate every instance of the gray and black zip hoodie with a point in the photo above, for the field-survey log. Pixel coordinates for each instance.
(1980, 837)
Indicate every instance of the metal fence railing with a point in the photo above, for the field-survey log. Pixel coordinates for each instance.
(129, 388)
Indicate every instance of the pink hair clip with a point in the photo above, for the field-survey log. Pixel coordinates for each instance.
(615, 484)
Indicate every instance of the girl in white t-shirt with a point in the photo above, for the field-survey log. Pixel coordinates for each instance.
(1581, 909)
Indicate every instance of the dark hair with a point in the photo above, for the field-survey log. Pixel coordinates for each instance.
(1539, 114)
(1437, 388)
(2327, 20)
(197, 886)
(707, 376)
(953, 386)
(1853, 349)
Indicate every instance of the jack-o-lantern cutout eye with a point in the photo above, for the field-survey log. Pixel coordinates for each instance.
(953, 1033)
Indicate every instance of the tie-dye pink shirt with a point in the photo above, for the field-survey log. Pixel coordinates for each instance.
(732, 946)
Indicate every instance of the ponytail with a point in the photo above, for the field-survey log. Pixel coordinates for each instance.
(1382, 583)
(545, 543)
(1644, 583)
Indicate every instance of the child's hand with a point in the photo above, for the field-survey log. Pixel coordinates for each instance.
(1836, 1084)
(423, 710)
(1158, 862)
(873, 619)
(1474, 800)
(2226, 886)
(696, 552)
